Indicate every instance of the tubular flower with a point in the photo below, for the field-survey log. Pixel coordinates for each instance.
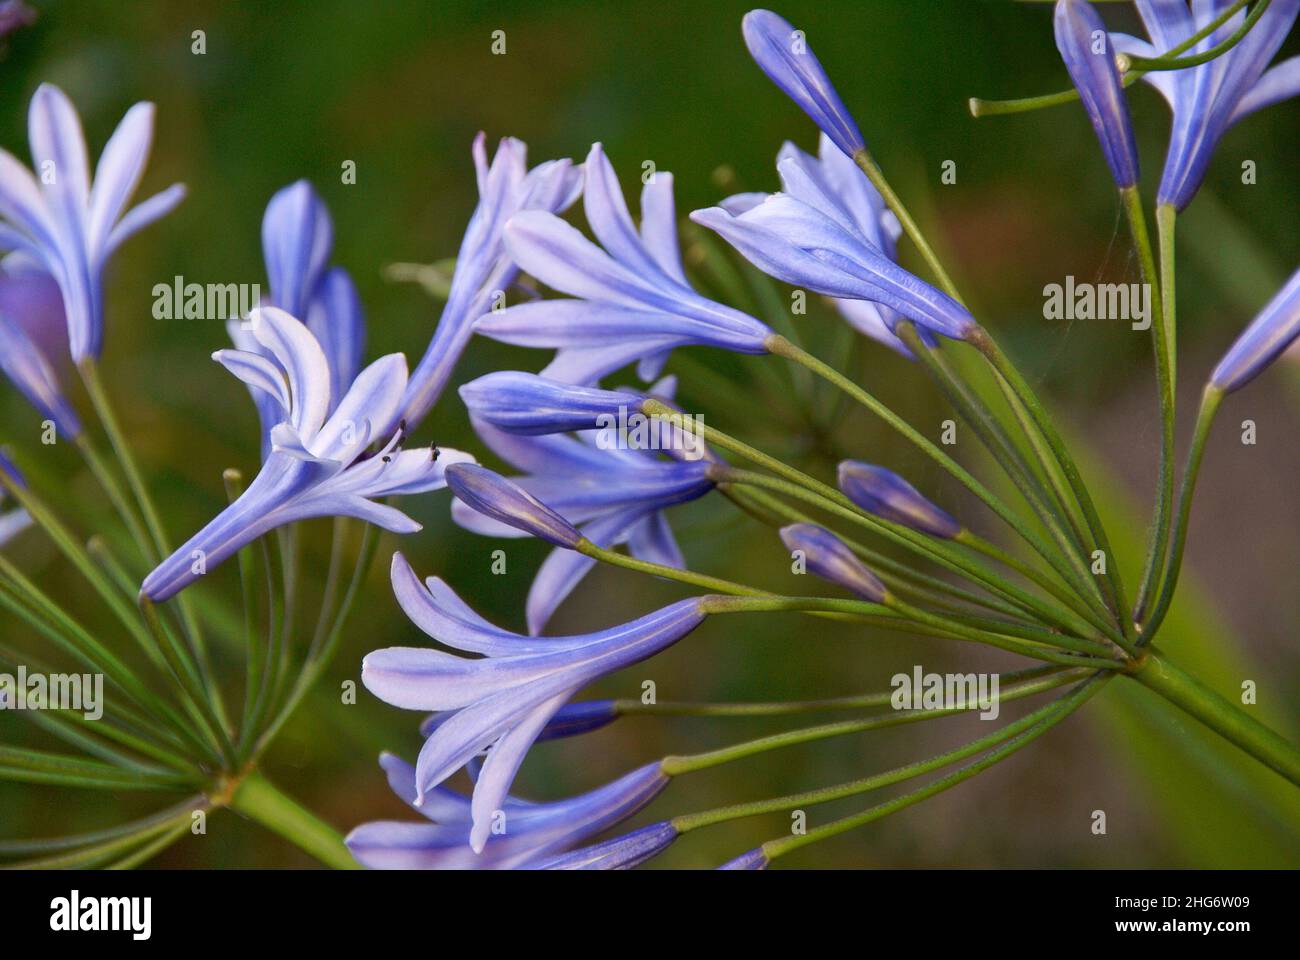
(783, 54)
(503, 699)
(1275, 328)
(889, 496)
(297, 237)
(810, 236)
(754, 859)
(1089, 56)
(69, 224)
(318, 465)
(525, 834)
(614, 495)
(484, 269)
(33, 338)
(633, 302)
(620, 853)
(830, 558)
(527, 404)
(1209, 98)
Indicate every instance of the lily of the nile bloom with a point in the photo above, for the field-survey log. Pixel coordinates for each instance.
(817, 235)
(784, 55)
(503, 698)
(297, 238)
(484, 268)
(614, 492)
(571, 720)
(12, 522)
(318, 465)
(69, 224)
(838, 176)
(33, 338)
(887, 495)
(1089, 56)
(620, 853)
(830, 558)
(1275, 328)
(1209, 98)
(632, 304)
(525, 833)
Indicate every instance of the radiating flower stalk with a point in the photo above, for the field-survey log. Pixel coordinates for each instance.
(601, 467)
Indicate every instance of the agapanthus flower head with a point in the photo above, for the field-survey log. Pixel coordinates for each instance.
(1274, 329)
(820, 233)
(619, 853)
(492, 495)
(1089, 56)
(12, 522)
(530, 404)
(601, 481)
(632, 304)
(504, 698)
(33, 338)
(319, 466)
(484, 269)
(887, 495)
(831, 559)
(526, 835)
(782, 52)
(1210, 97)
(65, 221)
(297, 238)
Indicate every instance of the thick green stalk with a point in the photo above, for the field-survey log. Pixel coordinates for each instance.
(1156, 672)
(257, 798)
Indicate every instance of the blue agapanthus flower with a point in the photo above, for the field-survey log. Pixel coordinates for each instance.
(885, 494)
(528, 404)
(1274, 329)
(633, 304)
(1209, 98)
(1089, 56)
(65, 221)
(503, 699)
(615, 493)
(297, 238)
(838, 176)
(484, 268)
(619, 853)
(810, 236)
(34, 339)
(12, 522)
(319, 466)
(526, 834)
(754, 859)
(784, 55)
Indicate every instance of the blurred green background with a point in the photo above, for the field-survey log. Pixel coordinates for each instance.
(289, 90)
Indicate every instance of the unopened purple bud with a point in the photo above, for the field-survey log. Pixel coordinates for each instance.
(754, 859)
(524, 403)
(494, 496)
(831, 559)
(887, 495)
(620, 853)
(1089, 56)
(1273, 330)
(784, 55)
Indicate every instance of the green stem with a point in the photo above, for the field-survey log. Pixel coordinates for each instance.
(1059, 711)
(257, 798)
(1210, 401)
(1156, 672)
(1165, 219)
